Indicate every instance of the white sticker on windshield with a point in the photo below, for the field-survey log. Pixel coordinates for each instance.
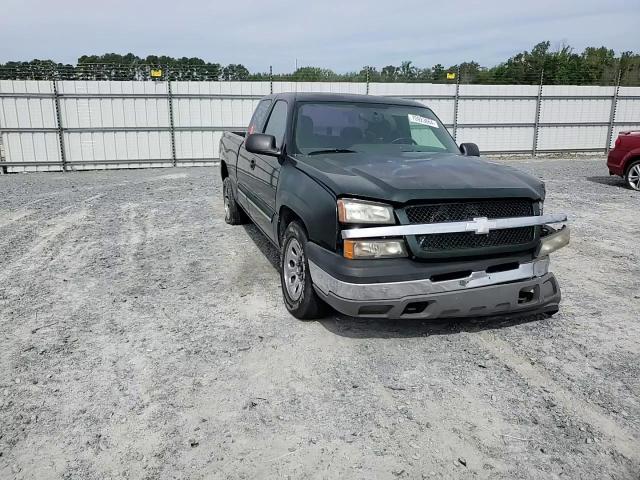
(423, 120)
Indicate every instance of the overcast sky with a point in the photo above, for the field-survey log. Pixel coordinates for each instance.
(338, 34)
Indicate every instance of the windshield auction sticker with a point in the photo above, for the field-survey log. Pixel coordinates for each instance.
(423, 120)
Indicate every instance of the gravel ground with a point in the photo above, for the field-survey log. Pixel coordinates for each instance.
(142, 337)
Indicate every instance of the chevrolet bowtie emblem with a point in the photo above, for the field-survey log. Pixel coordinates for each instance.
(481, 225)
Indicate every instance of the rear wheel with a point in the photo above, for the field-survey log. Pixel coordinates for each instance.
(633, 175)
(297, 289)
(233, 214)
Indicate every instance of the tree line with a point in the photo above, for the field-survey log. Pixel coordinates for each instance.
(561, 66)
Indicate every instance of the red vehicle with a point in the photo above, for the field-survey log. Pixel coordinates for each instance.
(624, 159)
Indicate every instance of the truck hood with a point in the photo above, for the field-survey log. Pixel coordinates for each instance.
(405, 176)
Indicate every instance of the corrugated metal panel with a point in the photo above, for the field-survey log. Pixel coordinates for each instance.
(197, 145)
(577, 90)
(202, 109)
(572, 138)
(32, 147)
(195, 112)
(629, 91)
(27, 113)
(118, 146)
(70, 87)
(574, 111)
(499, 90)
(498, 139)
(496, 111)
(628, 110)
(114, 112)
(410, 90)
(26, 86)
(333, 87)
(220, 88)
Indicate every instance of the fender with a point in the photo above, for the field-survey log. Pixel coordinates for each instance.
(629, 157)
(311, 201)
(228, 153)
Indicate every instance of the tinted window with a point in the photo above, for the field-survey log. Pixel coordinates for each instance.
(259, 116)
(277, 123)
(364, 127)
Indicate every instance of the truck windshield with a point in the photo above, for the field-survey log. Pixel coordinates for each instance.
(345, 127)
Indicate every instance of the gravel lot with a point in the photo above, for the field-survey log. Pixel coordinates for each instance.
(142, 337)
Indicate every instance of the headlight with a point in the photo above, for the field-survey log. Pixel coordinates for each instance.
(554, 241)
(540, 207)
(355, 249)
(361, 211)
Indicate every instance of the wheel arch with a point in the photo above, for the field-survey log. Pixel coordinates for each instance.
(286, 215)
(309, 201)
(634, 157)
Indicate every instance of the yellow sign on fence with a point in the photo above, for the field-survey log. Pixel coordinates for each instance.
(156, 72)
(451, 76)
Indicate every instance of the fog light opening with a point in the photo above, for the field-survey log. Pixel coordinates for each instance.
(527, 294)
(415, 307)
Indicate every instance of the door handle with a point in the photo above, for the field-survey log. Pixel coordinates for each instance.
(252, 164)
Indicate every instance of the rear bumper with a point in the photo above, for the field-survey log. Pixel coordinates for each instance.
(528, 288)
(615, 162)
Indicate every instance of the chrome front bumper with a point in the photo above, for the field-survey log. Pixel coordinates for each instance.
(528, 287)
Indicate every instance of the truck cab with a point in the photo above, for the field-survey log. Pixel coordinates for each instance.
(377, 212)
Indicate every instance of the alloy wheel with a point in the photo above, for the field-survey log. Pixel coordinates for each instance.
(633, 177)
(294, 269)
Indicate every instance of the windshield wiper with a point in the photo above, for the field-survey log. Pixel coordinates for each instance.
(331, 150)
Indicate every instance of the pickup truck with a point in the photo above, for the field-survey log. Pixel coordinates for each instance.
(377, 212)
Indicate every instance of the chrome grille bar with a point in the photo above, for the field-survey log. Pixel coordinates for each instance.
(481, 225)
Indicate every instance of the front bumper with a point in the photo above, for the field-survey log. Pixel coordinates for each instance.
(529, 287)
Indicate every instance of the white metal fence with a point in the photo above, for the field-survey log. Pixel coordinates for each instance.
(80, 125)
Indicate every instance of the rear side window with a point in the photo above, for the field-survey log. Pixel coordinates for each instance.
(277, 123)
(259, 116)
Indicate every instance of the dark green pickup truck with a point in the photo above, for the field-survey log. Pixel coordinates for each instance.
(378, 213)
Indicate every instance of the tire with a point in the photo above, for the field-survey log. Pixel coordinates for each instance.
(632, 177)
(300, 298)
(233, 213)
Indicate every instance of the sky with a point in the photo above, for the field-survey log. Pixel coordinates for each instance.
(343, 35)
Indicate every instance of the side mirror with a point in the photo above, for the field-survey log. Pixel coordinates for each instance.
(261, 144)
(470, 149)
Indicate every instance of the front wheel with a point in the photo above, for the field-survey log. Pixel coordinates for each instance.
(633, 175)
(297, 290)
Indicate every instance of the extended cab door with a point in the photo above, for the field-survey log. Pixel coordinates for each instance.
(247, 196)
(265, 171)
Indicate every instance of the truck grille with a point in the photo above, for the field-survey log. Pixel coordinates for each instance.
(461, 211)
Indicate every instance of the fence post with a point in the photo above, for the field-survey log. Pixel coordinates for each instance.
(534, 148)
(172, 130)
(455, 106)
(367, 79)
(270, 78)
(612, 113)
(3, 169)
(59, 126)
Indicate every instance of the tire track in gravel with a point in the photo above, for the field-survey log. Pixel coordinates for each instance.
(618, 436)
(32, 259)
(8, 219)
